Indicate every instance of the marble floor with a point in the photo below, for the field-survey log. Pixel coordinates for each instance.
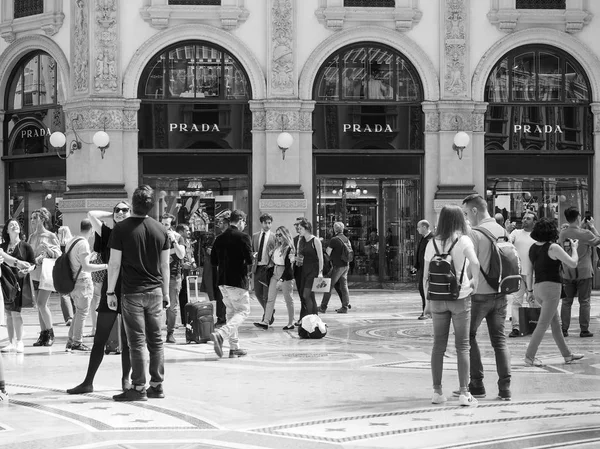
(367, 384)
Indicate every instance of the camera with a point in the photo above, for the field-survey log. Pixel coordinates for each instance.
(587, 215)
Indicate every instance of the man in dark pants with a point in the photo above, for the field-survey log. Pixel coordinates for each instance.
(426, 235)
(263, 242)
(189, 264)
(232, 255)
(299, 246)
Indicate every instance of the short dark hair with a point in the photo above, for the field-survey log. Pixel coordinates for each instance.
(181, 227)
(85, 225)
(571, 214)
(264, 217)
(306, 224)
(476, 200)
(237, 215)
(143, 199)
(530, 212)
(545, 230)
(167, 215)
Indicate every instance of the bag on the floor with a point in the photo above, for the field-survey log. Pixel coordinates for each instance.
(200, 322)
(10, 284)
(62, 275)
(442, 282)
(312, 327)
(504, 273)
(528, 319)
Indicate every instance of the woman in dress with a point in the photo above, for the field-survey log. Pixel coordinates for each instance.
(312, 267)
(45, 244)
(66, 303)
(451, 238)
(546, 257)
(280, 265)
(106, 316)
(13, 245)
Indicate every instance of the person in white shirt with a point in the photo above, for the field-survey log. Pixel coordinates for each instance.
(522, 240)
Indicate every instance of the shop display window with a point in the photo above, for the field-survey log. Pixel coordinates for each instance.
(27, 196)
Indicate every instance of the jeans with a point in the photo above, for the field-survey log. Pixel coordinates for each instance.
(583, 289)
(338, 274)
(237, 301)
(492, 307)
(142, 314)
(286, 287)
(548, 295)
(173, 310)
(443, 312)
(261, 291)
(66, 306)
(82, 298)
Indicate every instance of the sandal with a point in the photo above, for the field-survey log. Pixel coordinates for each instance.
(289, 327)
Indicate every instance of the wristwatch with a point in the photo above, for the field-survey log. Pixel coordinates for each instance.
(110, 294)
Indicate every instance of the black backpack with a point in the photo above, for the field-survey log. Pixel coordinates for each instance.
(61, 273)
(443, 285)
(347, 255)
(10, 284)
(504, 272)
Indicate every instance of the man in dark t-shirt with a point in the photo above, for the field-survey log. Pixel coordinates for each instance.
(139, 246)
(339, 274)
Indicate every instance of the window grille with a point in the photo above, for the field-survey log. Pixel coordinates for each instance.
(370, 3)
(541, 4)
(24, 8)
(195, 2)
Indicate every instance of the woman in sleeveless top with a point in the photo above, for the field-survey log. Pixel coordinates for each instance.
(106, 316)
(312, 267)
(451, 238)
(546, 257)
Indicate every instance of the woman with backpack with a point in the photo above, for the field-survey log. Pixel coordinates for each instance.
(13, 245)
(106, 316)
(448, 291)
(45, 244)
(280, 275)
(546, 257)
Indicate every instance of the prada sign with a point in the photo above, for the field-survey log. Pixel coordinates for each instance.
(357, 128)
(194, 127)
(546, 129)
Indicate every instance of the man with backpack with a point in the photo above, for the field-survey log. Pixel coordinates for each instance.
(487, 302)
(341, 254)
(78, 253)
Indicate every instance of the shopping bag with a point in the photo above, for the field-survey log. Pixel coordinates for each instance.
(46, 282)
(193, 284)
(28, 294)
(322, 285)
(528, 319)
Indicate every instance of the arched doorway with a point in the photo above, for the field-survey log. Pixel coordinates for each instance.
(368, 151)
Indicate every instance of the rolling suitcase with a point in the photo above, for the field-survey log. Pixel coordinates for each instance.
(200, 323)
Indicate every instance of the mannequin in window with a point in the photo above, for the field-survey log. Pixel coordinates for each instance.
(377, 88)
(178, 85)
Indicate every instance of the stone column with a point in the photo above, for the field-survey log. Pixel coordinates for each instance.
(596, 167)
(96, 103)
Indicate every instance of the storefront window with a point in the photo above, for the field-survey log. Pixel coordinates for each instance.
(546, 196)
(27, 196)
(379, 217)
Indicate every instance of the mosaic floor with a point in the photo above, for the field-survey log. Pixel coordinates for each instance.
(366, 385)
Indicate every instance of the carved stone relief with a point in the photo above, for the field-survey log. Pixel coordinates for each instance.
(258, 120)
(456, 121)
(278, 120)
(81, 52)
(106, 48)
(432, 122)
(279, 204)
(282, 52)
(455, 49)
(98, 119)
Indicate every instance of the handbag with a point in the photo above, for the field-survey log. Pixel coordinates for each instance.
(97, 276)
(528, 319)
(46, 281)
(322, 285)
(10, 284)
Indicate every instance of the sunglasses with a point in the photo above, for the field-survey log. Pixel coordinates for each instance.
(278, 235)
(121, 209)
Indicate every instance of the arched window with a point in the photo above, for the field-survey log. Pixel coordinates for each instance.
(539, 99)
(194, 96)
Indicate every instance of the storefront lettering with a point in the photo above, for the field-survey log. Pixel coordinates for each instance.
(527, 129)
(35, 132)
(356, 128)
(194, 128)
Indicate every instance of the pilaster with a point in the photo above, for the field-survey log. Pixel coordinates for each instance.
(454, 54)
(282, 66)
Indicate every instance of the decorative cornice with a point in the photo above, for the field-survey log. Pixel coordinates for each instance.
(103, 113)
(282, 205)
(47, 23)
(228, 16)
(87, 204)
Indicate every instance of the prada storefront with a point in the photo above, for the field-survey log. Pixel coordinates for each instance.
(368, 151)
(195, 138)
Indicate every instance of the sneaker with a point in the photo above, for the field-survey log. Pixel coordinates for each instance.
(68, 347)
(125, 384)
(218, 343)
(533, 362)
(170, 338)
(80, 347)
(9, 348)
(236, 353)
(155, 392)
(68, 322)
(131, 395)
(565, 333)
(585, 334)
(478, 393)
(342, 310)
(514, 333)
(20, 347)
(3, 398)
(438, 398)
(467, 400)
(422, 317)
(504, 395)
(262, 326)
(573, 357)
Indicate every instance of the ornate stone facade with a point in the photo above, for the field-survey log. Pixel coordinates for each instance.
(106, 73)
(455, 58)
(102, 114)
(283, 205)
(81, 48)
(282, 56)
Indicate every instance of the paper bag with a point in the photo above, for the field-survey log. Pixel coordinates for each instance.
(46, 282)
(322, 285)
(528, 319)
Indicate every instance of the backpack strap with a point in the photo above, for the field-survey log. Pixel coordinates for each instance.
(437, 251)
(69, 252)
(492, 238)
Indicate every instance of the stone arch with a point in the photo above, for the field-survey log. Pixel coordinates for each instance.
(180, 33)
(21, 47)
(400, 42)
(564, 41)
